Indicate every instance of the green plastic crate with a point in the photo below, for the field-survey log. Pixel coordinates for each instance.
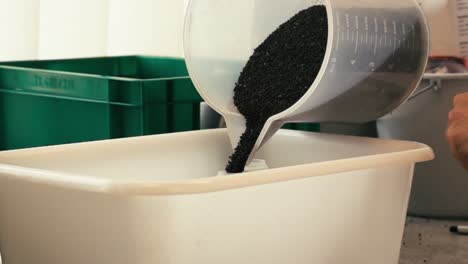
(75, 100)
(311, 127)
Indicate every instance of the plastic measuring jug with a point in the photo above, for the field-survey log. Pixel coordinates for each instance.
(376, 54)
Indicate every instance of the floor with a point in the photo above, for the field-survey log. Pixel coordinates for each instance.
(429, 241)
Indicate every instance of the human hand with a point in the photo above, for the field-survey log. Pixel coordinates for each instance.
(457, 131)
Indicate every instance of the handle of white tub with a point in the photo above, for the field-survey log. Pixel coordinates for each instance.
(433, 85)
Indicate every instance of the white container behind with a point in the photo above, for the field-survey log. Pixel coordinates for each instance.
(326, 199)
(439, 188)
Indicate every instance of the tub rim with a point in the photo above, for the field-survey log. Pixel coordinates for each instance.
(415, 153)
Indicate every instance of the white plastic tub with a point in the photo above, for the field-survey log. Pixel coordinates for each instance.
(326, 199)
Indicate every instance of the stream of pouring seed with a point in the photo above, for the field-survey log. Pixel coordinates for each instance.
(280, 71)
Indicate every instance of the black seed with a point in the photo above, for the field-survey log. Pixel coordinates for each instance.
(278, 74)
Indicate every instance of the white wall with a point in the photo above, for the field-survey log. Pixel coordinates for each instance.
(73, 28)
(31, 29)
(442, 22)
(145, 27)
(19, 25)
(46, 29)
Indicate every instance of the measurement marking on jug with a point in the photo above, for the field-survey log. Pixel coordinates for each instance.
(338, 28)
(375, 46)
(347, 26)
(413, 41)
(338, 21)
(338, 40)
(405, 34)
(376, 30)
(332, 68)
(356, 44)
(376, 25)
(366, 27)
(386, 43)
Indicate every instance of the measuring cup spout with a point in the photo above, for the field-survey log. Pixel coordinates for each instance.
(269, 129)
(236, 126)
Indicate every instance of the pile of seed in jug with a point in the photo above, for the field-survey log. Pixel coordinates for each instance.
(280, 71)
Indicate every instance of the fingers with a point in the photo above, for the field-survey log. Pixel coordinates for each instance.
(461, 100)
(452, 137)
(457, 130)
(459, 113)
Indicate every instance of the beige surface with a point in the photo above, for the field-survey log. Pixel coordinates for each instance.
(441, 18)
(429, 241)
